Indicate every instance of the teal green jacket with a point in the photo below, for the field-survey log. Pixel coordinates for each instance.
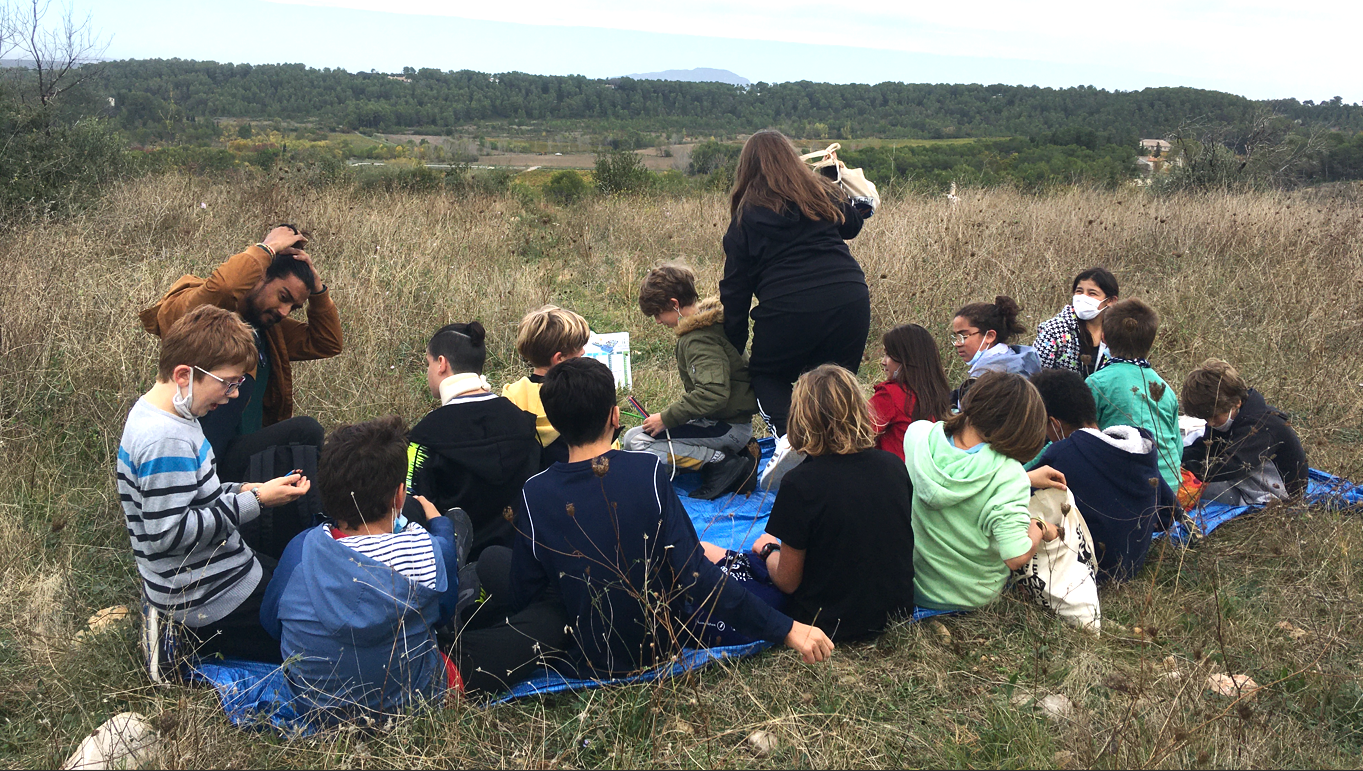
(1131, 395)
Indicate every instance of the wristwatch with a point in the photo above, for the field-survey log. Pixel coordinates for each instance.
(768, 549)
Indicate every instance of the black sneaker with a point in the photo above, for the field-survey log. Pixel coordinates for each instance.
(725, 476)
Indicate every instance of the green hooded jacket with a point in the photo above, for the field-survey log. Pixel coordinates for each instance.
(713, 372)
(1131, 395)
(969, 515)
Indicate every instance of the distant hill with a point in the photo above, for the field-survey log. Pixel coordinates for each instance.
(698, 75)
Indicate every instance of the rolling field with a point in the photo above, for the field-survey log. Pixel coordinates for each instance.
(1272, 282)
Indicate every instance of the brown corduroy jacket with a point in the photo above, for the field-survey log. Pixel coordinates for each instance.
(288, 341)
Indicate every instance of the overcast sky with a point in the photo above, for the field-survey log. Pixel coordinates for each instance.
(1256, 48)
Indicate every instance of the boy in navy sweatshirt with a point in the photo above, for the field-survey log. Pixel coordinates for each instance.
(608, 531)
(1114, 474)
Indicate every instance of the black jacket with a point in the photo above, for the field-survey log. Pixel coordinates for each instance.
(776, 255)
(474, 454)
(1259, 433)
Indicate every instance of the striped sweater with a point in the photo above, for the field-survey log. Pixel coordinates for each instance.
(182, 521)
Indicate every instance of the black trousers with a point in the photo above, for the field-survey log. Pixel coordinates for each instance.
(786, 344)
(234, 463)
(239, 635)
(497, 649)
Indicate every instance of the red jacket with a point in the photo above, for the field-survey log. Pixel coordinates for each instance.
(892, 419)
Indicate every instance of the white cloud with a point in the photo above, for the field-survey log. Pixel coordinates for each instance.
(1254, 40)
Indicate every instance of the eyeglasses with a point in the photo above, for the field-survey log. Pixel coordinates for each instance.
(232, 385)
(959, 338)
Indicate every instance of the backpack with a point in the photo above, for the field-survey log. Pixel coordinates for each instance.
(269, 533)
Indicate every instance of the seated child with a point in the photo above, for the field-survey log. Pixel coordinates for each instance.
(183, 523)
(915, 386)
(1248, 452)
(1128, 391)
(1114, 474)
(840, 538)
(352, 603)
(546, 336)
(711, 425)
(971, 524)
(608, 531)
(476, 450)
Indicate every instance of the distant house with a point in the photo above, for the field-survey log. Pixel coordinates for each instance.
(1155, 145)
(399, 77)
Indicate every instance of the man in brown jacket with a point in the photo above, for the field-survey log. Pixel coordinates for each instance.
(264, 284)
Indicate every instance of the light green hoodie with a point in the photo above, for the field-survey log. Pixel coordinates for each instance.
(969, 515)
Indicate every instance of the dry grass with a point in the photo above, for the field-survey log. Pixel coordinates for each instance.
(1273, 283)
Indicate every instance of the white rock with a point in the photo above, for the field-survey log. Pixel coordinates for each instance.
(1056, 706)
(125, 740)
(1231, 686)
(762, 743)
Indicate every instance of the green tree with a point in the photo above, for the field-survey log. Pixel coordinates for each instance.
(565, 187)
(621, 172)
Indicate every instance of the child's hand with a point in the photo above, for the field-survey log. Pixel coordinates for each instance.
(282, 490)
(427, 507)
(1044, 477)
(811, 642)
(653, 424)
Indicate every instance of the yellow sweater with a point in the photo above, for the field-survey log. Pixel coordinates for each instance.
(526, 394)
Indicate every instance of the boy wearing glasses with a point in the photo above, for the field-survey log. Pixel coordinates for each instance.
(183, 522)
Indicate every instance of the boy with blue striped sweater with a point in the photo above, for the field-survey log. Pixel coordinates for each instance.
(183, 522)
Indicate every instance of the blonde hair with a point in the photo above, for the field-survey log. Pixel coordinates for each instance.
(828, 414)
(546, 331)
(1007, 411)
(207, 337)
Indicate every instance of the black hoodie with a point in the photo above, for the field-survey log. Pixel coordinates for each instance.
(475, 453)
(1120, 491)
(1258, 433)
(788, 258)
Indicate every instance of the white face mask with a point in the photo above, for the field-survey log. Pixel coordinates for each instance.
(1085, 307)
(1226, 426)
(184, 404)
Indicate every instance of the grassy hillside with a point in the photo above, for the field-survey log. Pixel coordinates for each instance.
(1274, 283)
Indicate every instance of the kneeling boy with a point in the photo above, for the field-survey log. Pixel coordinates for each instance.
(185, 524)
(1114, 474)
(354, 604)
(608, 531)
(1248, 453)
(711, 425)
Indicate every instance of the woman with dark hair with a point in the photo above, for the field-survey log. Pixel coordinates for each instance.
(980, 333)
(786, 245)
(1073, 338)
(915, 386)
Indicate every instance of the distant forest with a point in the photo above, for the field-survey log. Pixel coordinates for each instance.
(157, 91)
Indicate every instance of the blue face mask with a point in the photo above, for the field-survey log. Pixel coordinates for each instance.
(984, 347)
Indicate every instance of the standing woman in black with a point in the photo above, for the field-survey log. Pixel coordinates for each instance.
(787, 244)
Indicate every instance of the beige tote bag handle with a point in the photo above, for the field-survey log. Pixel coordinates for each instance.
(831, 151)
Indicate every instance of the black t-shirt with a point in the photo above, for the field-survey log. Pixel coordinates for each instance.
(851, 514)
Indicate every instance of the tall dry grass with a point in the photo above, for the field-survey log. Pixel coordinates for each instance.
(1273, 283)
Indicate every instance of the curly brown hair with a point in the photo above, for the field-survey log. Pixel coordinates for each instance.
(1214, 388)
(828, 414)
(664, 284)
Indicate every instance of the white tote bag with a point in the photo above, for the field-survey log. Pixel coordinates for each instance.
(852, 181)
(1063, 574)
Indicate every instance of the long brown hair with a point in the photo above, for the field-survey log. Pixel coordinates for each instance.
(771, 175)
(1007, 411)
(828, 414)
(920, 371)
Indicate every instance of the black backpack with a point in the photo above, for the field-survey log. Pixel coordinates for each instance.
(269, 533)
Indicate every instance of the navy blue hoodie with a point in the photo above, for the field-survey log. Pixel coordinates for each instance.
(1117, 483)
(612, 534)
(357, 636)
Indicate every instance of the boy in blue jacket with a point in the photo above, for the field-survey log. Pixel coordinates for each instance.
(354, 604)
(1114, 473)
(608, 532)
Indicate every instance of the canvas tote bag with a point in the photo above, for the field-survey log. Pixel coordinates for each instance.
(852, 181)
(1063, 574)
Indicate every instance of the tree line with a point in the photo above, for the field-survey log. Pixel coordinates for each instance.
(154, 91)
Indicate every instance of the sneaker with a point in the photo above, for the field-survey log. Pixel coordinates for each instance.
(749, 483)
(724, 476)
(463, 535)
(782, 461)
